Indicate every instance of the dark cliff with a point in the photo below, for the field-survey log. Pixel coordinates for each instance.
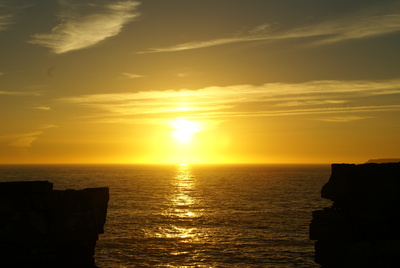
(361, 229)
(42, 227)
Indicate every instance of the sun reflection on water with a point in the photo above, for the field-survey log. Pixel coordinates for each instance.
(181, 209)
(182, 199)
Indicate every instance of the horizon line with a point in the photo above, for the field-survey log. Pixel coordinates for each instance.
(217, 163)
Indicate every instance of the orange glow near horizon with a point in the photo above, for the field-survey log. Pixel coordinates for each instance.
(185, 140)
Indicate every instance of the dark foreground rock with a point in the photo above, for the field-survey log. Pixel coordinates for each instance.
(42, 227)
(362, 228)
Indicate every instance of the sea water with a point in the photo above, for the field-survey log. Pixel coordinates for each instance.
(197, 215)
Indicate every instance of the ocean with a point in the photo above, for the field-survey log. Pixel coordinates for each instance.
(197, 215)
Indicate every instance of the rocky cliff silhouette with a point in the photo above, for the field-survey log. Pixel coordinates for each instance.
(42, 227)
(361, 228)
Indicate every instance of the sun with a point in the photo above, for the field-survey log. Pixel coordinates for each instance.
(184, 130)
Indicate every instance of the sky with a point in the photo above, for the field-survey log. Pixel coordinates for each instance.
(199, 81)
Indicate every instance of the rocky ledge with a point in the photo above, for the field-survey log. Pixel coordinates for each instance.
(361, 228)
(42, 227)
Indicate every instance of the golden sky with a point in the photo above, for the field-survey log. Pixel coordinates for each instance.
(211, 81)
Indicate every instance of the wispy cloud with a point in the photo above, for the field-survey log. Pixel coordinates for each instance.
(132, 76)
(354, 26)
(344, 118)
(208, 43)
(86, 24)
(312, 111)
(272, 99)
(19, 93)
(5, 21)
(48, 126)
(310, 102)
(9, 12)
(23, 141)
(44, 108)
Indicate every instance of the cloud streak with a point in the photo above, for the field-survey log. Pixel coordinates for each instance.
(6, 17)
(272, 99)
(19, 93)
(43, 108)
(355, 26)
(5, 21)
(84, 25)
(8, 12)
(344, 118)
(132, 76)
(23, 141)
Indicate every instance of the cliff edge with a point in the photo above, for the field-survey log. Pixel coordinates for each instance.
(361, 228)
(42, 227)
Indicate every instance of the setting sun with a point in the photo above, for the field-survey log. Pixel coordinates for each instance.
(184, 129)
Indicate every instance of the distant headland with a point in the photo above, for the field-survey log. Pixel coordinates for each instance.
(383, 160)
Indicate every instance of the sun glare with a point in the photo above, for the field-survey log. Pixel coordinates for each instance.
(184, 130)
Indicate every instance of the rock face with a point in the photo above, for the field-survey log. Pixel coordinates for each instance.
(362, 228)
(41, 227)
